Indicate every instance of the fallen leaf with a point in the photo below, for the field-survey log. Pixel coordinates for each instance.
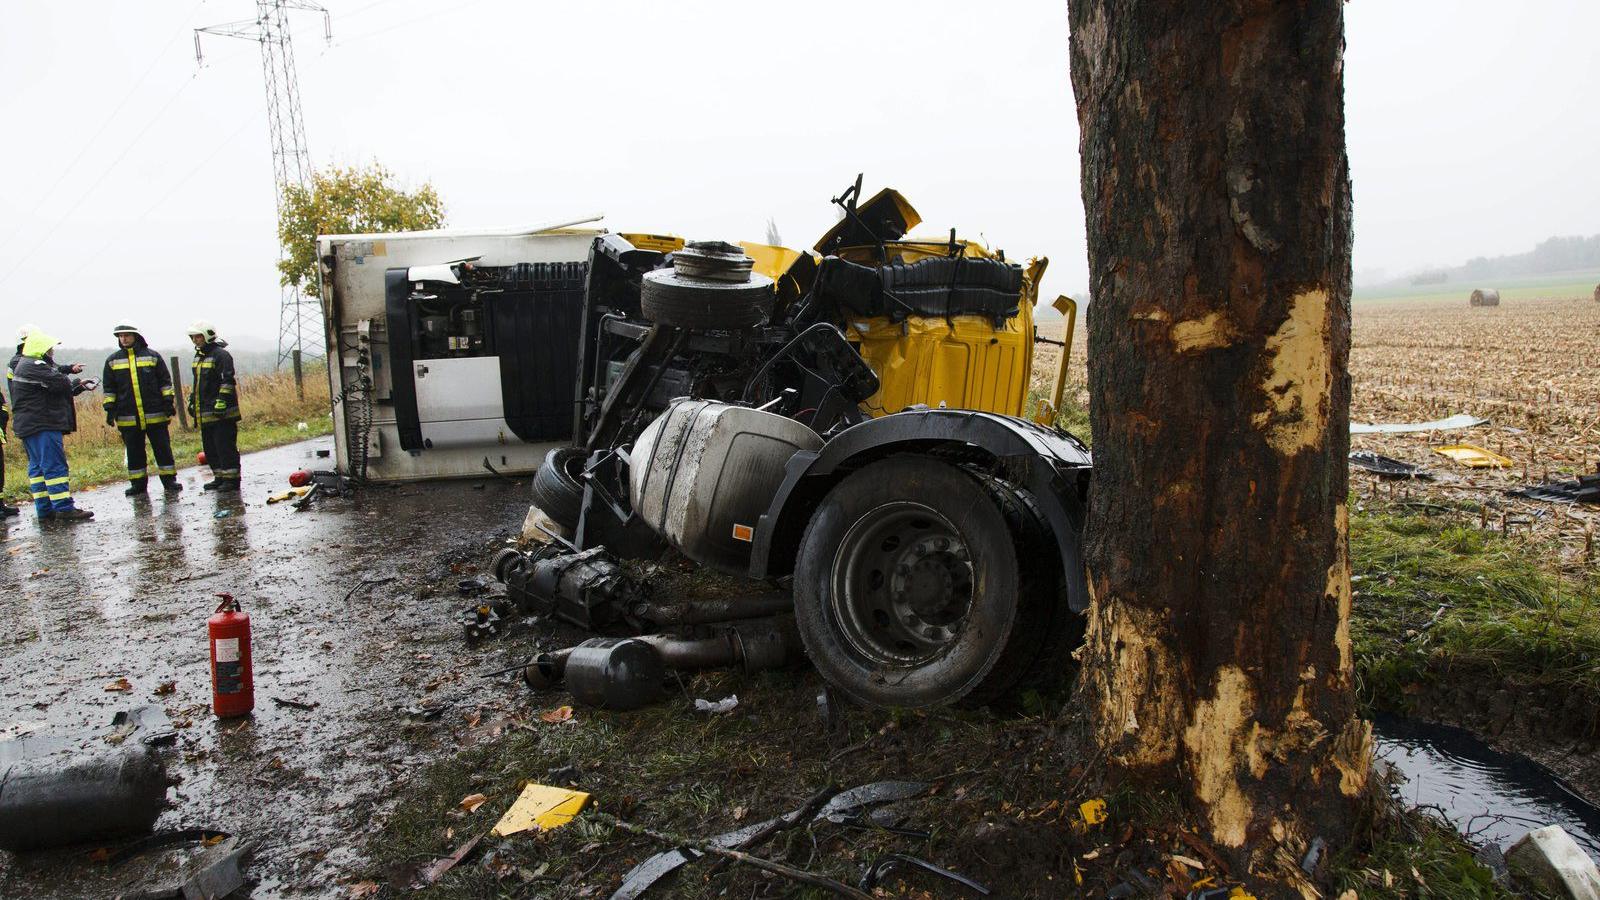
(214, 840)
(363, 889)
(100, 854)
(121, 684)
(471, 802)
(1190, 862)
(556, 716)
(165, 688)
(739, 813)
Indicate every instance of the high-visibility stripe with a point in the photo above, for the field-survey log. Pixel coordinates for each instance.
(64, 495)
(225, 389)
(220, 473)
(157, 419)
(110, 399)
(36, 479)
(147, 363)
(138, 396)
(119, 365)
(40, 495)
(52, 481)
(128, 421)
(136, 473)
(206, 364)
(166, 470)
(166, 392)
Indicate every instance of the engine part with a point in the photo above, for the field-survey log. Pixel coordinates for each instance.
(713, 261)
(615, 673)
(587, 589)
(682, 483)
(705, 612)
(753, 646)
(484, 619)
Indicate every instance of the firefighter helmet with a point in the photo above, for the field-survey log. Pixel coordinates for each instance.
(24, 331)
(204, 329)
(125, 328)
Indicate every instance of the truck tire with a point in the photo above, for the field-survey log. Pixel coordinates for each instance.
(666, 298)
(909, 591)
(557, 491)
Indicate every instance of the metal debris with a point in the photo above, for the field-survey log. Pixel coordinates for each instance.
(1386, 466)
(1585, 490)
(883, 865)
(1458, 421)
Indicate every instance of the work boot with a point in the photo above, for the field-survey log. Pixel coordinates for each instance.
(227, 484)
(170, 484)
(72, 515)
(135, 488)
(215, 484)
(7, 510)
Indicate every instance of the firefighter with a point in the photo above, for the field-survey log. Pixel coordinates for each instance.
(138, 401)
(215, 404)
(41, 403)
(6, 509)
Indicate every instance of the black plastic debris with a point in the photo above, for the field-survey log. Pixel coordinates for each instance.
(837, 808)
(883, 865)
(1586, 489)
(1386, 466)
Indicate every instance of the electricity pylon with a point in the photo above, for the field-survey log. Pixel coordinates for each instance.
(299, 319)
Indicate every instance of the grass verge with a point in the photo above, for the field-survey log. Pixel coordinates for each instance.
(272, 414)
(1444, 606)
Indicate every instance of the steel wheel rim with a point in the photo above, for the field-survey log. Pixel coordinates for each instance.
(902, 584)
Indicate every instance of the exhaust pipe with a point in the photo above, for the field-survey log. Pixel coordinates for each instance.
(627, 673)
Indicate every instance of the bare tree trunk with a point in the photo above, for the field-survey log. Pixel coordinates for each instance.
(1218, 203)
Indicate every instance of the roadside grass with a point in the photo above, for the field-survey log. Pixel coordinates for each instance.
(1440, 600)
(272, 413)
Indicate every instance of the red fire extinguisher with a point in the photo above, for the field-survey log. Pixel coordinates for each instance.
(233, 691)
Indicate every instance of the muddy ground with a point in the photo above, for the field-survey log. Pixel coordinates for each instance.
(127, 597)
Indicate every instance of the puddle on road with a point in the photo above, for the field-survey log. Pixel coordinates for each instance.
(1491, 796)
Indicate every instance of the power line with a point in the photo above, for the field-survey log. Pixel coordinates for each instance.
(98, 181)
(94, 140)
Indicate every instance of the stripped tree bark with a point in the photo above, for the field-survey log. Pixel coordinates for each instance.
(1217, 195)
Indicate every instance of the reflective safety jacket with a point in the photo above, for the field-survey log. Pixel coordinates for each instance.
(138, 387)
(41, 396)
(216, 395)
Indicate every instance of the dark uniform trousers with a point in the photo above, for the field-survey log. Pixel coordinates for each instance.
(220, 440)
(133, 440)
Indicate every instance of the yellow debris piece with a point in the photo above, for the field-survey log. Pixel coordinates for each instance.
(1473, 456)
(1093, 811)
(540, 806)
(1240, 893)
(290, 493)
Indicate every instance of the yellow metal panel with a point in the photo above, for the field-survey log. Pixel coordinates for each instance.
(965, 363)
(770, 260)
(664, 243)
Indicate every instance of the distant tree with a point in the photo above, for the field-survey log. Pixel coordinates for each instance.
(354, 200)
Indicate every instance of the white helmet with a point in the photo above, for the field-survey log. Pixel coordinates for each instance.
(203, 328)
(24, 331)
(125, 327)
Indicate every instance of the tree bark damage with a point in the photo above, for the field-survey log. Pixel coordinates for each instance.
(1217, 195)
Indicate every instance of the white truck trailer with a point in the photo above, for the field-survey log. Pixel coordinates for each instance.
(449, 349)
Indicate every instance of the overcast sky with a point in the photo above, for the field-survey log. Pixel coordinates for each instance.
(139, 185)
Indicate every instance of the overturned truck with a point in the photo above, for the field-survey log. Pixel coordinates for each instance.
(844, 422)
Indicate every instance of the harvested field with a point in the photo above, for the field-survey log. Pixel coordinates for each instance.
(1531, 367)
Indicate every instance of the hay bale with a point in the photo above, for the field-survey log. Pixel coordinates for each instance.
(1485, 297)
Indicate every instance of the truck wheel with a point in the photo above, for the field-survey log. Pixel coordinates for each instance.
(667, 298)
(556, 488)
(908, 590)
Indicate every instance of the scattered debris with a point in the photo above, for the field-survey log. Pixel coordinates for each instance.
(738, 856)
(121, 684)
(1312, 861)
(471, 802)
(556, 716)
(883, 865)
(289, 494)
(439, 867)
(1385, 466)
(726, 704)
(1584, 490)
(1550, 860)
(484, 620)
(1473, 456)
(60, 791)
(295, 704)
(540, 807)
(1458, 421)
(1092, 812)
(211, 869)
(150, 723)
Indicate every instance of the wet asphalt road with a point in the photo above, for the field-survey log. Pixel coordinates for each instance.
(127, 596)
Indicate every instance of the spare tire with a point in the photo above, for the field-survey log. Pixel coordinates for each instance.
(668, 298)
(557, 488)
